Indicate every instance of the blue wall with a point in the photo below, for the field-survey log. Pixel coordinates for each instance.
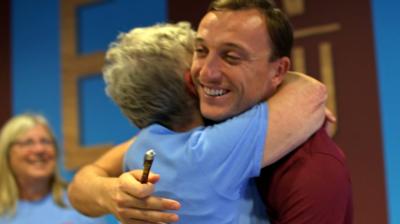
(35, 59)
(36, 70)
(36, 67)
(387, 48)
(36, 63)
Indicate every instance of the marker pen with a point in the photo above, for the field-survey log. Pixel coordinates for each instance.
(147, 161)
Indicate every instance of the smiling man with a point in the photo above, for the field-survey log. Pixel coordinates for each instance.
(233, 66)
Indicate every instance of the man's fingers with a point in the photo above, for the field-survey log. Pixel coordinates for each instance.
(135, 221)
(131, 185)
(149, 215)
(330, 116)
(136, 205)
(153, 177)
(153, 203)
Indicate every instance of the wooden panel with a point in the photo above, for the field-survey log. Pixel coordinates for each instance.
(338, 49)
(5, 62)
(74, 67)
(191, 11)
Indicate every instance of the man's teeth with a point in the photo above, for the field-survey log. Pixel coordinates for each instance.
(214, 92)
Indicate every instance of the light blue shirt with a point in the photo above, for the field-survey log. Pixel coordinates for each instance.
(45, 211)
(208, 169)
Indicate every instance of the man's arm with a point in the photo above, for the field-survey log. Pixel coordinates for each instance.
(102, 188)
(296, 111)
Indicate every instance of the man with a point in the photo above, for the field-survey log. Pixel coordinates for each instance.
(238, 43)
(232, 72)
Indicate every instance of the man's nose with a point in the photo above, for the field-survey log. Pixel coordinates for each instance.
(210, 71)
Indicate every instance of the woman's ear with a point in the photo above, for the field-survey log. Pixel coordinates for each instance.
(282, 66)
(189, 83)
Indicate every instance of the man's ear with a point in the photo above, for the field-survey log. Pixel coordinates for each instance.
(189, 83)
(282, 66)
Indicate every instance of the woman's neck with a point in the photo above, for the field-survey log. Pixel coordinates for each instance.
(196, 121)
(33, 190)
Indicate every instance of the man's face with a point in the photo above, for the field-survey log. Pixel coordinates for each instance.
(231, 69)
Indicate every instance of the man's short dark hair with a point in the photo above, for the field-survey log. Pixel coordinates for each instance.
(278, 25)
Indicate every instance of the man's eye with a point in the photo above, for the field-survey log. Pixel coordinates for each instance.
(232, 59)
(199, 51)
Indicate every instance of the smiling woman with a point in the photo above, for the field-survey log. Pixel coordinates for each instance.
(31, 190)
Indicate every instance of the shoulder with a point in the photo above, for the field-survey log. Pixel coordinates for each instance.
(317, 164)
(318, 151)
(311, 181)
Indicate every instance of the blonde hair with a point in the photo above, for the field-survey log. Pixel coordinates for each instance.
(9, 194)
(144, 74)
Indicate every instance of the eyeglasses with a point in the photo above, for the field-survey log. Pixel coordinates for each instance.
(30, 143)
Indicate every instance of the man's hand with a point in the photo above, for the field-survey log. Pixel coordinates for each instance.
(131, 202)
(101, 188)
(330, 123)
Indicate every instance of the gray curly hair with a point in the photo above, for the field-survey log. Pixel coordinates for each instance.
(144, 74)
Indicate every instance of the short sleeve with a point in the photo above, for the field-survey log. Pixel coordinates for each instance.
(230, 152)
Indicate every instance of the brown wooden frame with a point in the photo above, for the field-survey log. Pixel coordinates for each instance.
(74, 67)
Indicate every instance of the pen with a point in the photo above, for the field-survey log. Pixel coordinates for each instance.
(147, 161)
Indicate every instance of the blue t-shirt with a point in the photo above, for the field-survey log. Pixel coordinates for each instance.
(45, 211)
(208, 168)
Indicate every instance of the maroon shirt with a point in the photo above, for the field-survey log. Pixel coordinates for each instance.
(310, 185)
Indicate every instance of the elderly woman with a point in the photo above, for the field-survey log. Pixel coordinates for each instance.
(31, 189)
